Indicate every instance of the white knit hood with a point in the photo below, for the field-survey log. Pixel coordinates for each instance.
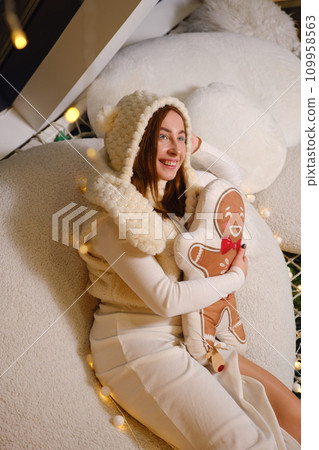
(111, 188)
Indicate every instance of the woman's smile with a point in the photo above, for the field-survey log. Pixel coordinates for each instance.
(171, 146)
(169, 163)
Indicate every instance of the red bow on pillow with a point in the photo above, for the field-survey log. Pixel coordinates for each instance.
(227, 244)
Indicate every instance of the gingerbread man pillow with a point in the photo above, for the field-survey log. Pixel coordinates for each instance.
(207, 250)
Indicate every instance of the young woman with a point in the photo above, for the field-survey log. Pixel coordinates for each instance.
(136, 338)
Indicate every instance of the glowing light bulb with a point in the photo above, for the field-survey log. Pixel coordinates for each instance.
(105, 391)
(72, 114)
(298, 364)
(19, 39)
(296, 387)
(299, 287)
(82, 184)
(250, 198)
(278, 238)
(89, 360)
(289, 273)
(265, 213)
(83, 249)
(118, 421)
(91, 153)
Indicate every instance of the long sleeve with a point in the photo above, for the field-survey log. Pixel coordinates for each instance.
(217, 162)
(144, 275)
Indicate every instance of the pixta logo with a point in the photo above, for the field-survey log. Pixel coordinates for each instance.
(210, 223)
(68, 220)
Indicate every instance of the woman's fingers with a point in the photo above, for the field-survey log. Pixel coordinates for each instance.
(241, 260)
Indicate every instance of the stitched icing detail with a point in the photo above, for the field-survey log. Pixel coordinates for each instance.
(194, 262)
(199, 255)
(232, 327)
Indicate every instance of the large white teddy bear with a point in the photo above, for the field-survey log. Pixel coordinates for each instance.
(243, 97)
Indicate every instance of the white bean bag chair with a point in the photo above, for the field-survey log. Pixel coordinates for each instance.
(49, 394)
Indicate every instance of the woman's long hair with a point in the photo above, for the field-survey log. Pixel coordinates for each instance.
(145, 173)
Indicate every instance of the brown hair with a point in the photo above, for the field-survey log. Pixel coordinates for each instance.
(144, 168)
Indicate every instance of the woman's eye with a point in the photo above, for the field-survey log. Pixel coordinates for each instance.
(162, 136)
(182, 139)
(242, 215)
(228, 214)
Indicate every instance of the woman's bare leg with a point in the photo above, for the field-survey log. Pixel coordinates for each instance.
(285, 404)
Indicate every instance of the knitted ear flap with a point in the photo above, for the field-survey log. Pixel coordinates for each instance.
(105, 118)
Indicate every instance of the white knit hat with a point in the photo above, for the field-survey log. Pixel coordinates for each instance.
(124, 125)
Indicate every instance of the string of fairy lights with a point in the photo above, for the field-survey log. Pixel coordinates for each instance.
(119, 421)
(19, 40)
(17, 35)
(71, 115)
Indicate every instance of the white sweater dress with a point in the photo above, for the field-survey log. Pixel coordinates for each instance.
(138, 350)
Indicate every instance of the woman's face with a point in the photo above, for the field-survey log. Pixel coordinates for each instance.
(171, 146)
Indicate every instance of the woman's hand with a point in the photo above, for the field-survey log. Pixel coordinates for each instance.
(241, 261)
(196, 142)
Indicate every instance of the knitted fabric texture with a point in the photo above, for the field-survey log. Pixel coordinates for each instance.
(124, 126)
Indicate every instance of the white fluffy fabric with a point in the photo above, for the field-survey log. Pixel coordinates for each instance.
(283, 199)
(178, 64)
(49, 395)
(260, 18)
(265, 301)
(226, 118)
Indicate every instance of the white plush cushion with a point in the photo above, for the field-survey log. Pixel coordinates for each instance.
(265, 301)
(283, 199)
(178, 64)
(260, 18)
(226, 118)
(49, 395)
